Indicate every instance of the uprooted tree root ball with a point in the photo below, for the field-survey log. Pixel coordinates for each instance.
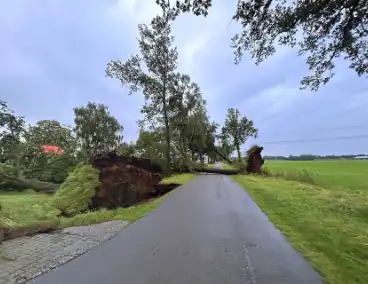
(110, 181)
(254, 160)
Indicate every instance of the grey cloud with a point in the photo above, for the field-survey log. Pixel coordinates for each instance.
(55, 55)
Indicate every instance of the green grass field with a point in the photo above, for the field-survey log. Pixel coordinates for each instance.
(28, 208)
(336, 173)
(326, 221)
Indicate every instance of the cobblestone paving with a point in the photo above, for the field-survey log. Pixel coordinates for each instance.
(25, 258)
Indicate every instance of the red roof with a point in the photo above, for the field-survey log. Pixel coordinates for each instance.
(52, 149)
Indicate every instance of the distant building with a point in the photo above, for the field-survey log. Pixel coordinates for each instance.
(361, 158)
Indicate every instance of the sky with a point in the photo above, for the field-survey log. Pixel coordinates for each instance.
(54, 54)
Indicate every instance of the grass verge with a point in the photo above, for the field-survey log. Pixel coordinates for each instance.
(327, 225)
(28, 208)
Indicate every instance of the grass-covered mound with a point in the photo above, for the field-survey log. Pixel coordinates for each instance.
(80, 186)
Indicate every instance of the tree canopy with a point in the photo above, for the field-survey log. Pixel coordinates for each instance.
(238, 129)
(323, 30)
(175, 130)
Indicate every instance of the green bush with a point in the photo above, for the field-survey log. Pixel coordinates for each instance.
(74, 194)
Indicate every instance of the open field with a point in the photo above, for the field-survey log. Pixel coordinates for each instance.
(337, 173)
(28, 208)
(326, 221)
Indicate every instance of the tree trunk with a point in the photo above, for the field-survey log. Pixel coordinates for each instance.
(21, 184)
(167, 129)
(239, 154)
(218, 171)
(185, 150)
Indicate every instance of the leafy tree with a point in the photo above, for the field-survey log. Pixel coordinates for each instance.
(329, 29)
(238, 129)
(51, 132)
(126, 149)
(44, 165)
(185, 99)
(151, 144)
(96, 129)
(16, 151)
(225, 148)
(151, 70)
(12, 128)
(197, 131)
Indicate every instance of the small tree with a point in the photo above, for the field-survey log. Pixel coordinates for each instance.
(12, 128)
(96, 129)
(238, 129)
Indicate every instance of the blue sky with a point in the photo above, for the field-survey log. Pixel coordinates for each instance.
(54, 55)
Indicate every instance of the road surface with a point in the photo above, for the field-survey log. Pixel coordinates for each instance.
(208, 231)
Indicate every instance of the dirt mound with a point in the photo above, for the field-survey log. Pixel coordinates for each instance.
(109, 181)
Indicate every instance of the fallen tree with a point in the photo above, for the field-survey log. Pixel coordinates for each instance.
(20, 182)
(218, 171)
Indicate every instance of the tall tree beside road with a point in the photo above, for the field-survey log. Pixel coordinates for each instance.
(238, 129)
(151, 71)
(185, 99)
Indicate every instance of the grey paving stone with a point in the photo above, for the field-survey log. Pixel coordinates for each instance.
(25, 258)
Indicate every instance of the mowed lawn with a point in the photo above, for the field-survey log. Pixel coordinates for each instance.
(327, 222)
(337, 173)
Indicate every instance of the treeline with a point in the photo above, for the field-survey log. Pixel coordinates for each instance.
(307, 157)
(175, 130)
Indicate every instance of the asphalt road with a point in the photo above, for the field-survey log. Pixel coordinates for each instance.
(207, 232)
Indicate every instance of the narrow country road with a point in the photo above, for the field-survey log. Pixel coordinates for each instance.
(207, 232)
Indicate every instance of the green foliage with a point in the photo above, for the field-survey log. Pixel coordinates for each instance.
(96, 129)
(11, 131)
(158, 56)
(7, 169)
(329, 29)
(74, 194)
(58, 168)
(51, 132)
(238, 129)
(126, 149)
